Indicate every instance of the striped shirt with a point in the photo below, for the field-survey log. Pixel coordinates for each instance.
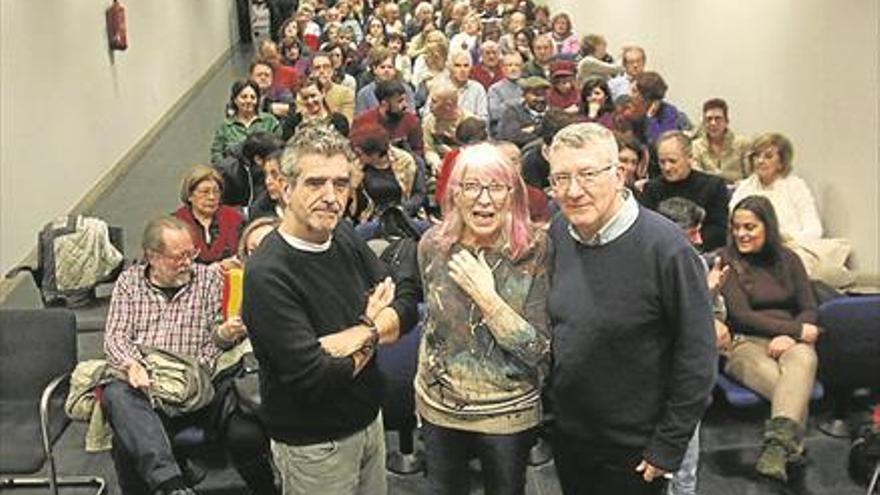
(141, 314)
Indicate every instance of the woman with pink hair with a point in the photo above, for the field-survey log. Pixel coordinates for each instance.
(485, 350)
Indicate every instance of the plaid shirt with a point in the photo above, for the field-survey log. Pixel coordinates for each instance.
(141, 314)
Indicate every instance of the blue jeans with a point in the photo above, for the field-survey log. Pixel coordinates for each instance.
(503, 460)
(684, 482)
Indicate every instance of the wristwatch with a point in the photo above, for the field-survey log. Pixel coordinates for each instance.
(374, 331)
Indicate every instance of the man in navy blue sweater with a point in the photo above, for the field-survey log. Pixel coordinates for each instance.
(633, 340)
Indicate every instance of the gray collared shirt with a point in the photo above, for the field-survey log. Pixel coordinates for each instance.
(616, 226)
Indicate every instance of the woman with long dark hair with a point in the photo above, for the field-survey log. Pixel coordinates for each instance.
(772, 315)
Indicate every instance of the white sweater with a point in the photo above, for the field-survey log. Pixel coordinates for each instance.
(792, 200)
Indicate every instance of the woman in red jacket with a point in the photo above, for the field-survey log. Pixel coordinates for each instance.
(215, 228)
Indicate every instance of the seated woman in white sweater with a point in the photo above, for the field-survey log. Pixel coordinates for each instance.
(799, 222)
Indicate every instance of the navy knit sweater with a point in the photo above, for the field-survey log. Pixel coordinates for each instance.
(633, 340)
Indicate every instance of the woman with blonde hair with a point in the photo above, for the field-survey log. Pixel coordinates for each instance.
(485, 350)
(771, 159)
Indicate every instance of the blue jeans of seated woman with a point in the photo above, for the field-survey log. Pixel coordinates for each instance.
(502, 458)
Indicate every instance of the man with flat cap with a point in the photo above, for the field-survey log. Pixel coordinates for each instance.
(520, 123)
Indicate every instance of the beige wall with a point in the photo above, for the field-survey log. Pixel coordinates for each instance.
(70, 111)
(806, 68)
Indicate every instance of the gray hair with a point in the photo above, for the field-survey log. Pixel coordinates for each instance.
(153, 238)
(684, 142)
(586, 135)
(456, 53)
(682, 211)
(313, 140)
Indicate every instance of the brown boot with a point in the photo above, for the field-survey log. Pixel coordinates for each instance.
(783, 443)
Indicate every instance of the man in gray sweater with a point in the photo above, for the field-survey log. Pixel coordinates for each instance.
(633, 340)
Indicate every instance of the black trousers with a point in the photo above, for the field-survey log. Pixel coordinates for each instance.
(586, 471)
(142, 452)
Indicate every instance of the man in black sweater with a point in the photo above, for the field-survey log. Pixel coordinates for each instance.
(316, 304)
(633, 349)
(679, 179)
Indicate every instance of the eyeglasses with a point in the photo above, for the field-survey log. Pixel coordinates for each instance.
(585, 177)
(188, 256)
(207, 191)
(473, 190)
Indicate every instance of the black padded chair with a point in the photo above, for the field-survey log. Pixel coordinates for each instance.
(37, 354)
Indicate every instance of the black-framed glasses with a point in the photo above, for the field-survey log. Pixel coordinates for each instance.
(585, 177)
(473, 190)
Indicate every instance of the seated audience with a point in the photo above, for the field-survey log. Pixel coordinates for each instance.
(516, 22)
(382, 70)
(772, 314)
(678, 178)
(172, 305)
(214, 226)
(284, 76)
(565, 41)
(523, 41)
(310, 31)
(471, 94)
(633, 159)
(539, 65)
(422, 15)
(295, 61)
(339, 99)
(273, 202)
(505, 91)
(253, 235)
(520, 122)
(273, 100)
(374, 37)
(351, 31)
(312, 110)
(440, 124)
(489, 70)
(535, 167)
(390, 14)
(649, 92)
(468, 38)
(538, 201)
(243, 173)
(562, 93)
(386, 176)
(394, 115)
(340, 58)
(634, 59)
(595, 102)
(595, 61)
(430, 63)
(470, 131)
(245, 119)
(795, 208)
(486, 351)
(402, 61)
(718, 150)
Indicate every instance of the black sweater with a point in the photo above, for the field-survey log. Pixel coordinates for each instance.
(706, 190)
(633, 340)
(293, 297)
